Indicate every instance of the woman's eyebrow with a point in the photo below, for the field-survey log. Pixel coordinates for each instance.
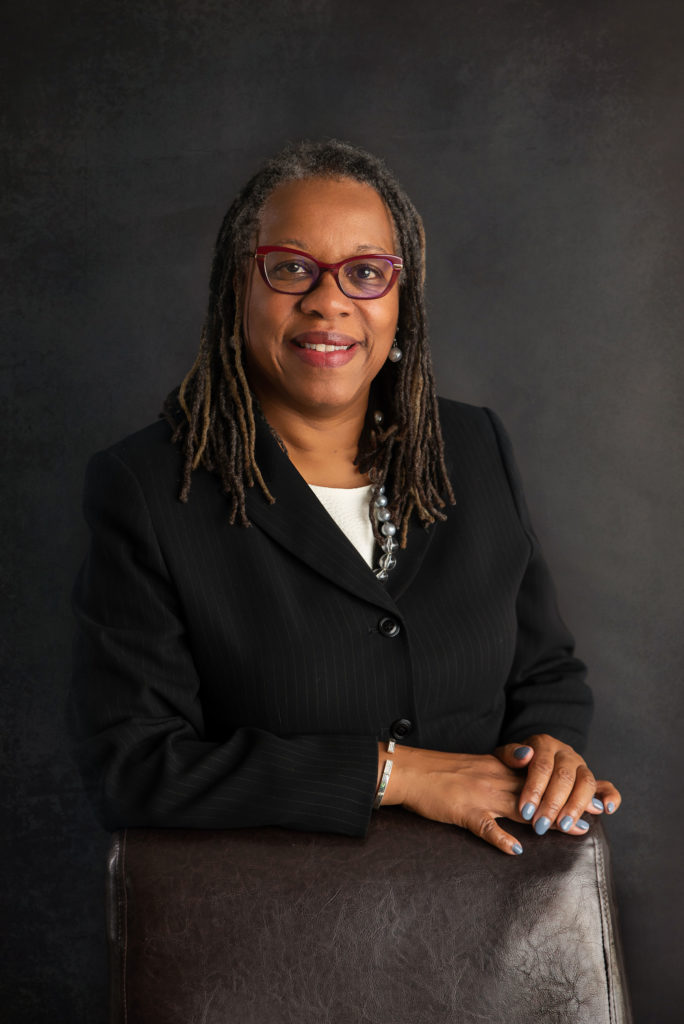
(297, 243)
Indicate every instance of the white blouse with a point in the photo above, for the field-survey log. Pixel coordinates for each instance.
(348, 506)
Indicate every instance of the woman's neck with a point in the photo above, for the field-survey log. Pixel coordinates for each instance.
(322, 447)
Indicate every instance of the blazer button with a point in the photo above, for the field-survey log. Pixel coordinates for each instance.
(402, 727)
(388, 627)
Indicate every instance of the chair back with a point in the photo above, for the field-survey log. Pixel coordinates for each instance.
(419, 922)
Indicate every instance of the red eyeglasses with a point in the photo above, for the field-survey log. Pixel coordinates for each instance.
(295, 273)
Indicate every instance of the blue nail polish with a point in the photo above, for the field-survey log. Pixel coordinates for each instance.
(521, 752)
(598, 804)
(566, 822)
(542, 825)
(517, 848)
(584, 825)
(611, 807)
(528, 811)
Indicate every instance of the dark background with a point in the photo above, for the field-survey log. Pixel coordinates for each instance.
(543, 143)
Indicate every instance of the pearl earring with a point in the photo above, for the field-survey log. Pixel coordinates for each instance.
(395, 352)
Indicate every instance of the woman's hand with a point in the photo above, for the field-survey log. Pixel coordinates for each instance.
(558, 787)
(470, 790)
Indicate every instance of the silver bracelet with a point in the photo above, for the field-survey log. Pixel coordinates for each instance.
(386, 772)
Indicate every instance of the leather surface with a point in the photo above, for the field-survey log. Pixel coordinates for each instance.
(419, 922)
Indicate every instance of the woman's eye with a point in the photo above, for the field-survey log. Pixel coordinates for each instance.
(365, 272)
(291, 269)
(369, 277)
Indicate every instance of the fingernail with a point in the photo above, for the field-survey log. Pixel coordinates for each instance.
(610, 807)
(521, 752)
(598, 804)
(584, 825)
(542, 825)
(528, 811)
(517, 848)
(566, 822)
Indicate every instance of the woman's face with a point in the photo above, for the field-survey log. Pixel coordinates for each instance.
(330, 220)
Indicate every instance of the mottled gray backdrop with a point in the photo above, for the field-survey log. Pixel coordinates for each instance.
(543, 142)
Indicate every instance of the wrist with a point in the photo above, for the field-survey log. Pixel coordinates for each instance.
(394, 790)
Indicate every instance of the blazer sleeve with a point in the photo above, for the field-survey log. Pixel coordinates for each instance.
(136, 711)
(546, 689)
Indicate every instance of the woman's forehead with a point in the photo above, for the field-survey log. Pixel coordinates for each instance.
(298, 212)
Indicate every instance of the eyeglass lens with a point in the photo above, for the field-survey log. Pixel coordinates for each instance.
(358, 277)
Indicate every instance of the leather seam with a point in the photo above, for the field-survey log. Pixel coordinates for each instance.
(605, 928)
(124, 926)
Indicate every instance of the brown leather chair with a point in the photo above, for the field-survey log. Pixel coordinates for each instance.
(419, 922)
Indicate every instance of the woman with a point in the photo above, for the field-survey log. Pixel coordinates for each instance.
(348, 607)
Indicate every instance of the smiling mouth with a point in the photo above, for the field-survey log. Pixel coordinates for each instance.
(325, 342)
(324, 348)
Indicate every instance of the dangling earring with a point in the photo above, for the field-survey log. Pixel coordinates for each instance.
(395, 352)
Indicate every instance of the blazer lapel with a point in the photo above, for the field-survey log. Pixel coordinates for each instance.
(299, 523)
(409, 561)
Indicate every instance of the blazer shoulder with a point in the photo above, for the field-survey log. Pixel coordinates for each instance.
(460, 420)
(451, 410)
(147, 453)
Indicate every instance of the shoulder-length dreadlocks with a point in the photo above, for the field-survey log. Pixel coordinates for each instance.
(212, 414)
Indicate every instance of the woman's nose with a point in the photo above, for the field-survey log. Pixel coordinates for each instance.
(326, 298)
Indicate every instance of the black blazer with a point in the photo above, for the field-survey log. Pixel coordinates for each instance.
(229, 677)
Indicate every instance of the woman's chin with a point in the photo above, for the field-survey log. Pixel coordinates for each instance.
(333, 401)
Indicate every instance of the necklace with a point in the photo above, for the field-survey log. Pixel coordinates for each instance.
(388, 530)
(379, 504)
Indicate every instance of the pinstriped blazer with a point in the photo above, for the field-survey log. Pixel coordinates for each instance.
(232, 677)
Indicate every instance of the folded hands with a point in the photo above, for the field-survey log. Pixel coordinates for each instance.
(541, 780)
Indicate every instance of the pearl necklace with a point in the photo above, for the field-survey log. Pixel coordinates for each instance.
(388, 530)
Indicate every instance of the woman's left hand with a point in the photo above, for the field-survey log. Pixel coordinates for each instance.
(559, 787)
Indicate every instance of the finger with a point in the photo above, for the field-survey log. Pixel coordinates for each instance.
(564, 803)
(539, 771)
(609, 795)
(595, 806)
(486, 827)
(515, 755)
(579, 828)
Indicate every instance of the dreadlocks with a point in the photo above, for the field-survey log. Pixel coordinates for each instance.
(212, 413)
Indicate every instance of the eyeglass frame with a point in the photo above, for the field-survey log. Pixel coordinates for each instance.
(334, 268)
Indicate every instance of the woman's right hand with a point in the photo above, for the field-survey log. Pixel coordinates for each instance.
(470, 790)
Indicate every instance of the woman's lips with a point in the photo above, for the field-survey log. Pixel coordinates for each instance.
(324, 348)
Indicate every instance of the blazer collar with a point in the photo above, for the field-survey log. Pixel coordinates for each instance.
(298, 522)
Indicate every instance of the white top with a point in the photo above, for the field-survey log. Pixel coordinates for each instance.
(348, 506)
